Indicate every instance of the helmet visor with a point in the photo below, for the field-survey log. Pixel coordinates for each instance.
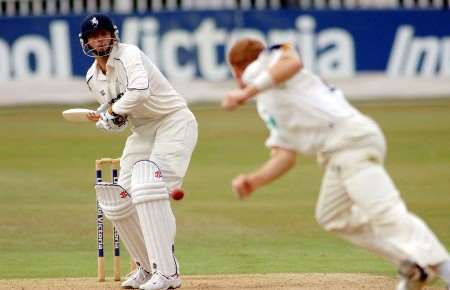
(99, 47)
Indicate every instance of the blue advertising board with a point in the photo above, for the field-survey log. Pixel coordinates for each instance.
(188, 45)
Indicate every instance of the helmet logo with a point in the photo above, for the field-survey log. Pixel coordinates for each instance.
(94, 22)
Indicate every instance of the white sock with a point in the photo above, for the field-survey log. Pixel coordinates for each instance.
(443, 270)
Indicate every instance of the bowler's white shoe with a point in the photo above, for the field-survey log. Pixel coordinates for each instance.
(136, 279)
(413, 277)
(162, 282)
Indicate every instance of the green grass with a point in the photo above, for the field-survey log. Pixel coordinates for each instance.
(47, 208)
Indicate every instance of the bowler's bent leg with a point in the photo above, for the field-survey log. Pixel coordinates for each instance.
(373, 191)
(336, 212)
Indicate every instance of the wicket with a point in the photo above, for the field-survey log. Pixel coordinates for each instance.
(100, 165)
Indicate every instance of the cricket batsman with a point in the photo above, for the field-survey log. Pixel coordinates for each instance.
(132, 91)
(358, 200)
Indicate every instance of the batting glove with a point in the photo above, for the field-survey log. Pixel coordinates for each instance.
(111, 123)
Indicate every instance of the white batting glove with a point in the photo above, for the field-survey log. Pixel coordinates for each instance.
(107, 123)
(103, 108)
(103, 125)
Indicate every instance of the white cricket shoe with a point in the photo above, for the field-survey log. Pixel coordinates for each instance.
(136, 279)
(413, 277)
(161, 282)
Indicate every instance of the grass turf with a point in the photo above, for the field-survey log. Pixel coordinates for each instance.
(47, 208)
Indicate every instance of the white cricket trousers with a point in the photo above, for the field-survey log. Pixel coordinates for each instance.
(359, 202)
(169, 142)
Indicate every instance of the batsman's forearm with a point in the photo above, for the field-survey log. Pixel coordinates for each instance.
(272, 169)
(129, 101)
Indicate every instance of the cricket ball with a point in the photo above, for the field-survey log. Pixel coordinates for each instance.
(177, 194)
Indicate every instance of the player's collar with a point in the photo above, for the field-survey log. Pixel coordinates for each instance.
(112, 55)
(99, 75)
(97, 72)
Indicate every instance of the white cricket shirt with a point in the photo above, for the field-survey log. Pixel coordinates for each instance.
(134, 85)
(303, 113)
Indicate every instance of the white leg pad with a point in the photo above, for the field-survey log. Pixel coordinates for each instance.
(151, 198)
(118, 208)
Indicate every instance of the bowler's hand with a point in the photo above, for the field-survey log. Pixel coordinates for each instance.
(242, 187)
(234, 99)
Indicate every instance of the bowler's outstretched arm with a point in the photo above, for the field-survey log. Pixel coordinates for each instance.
(281, 161)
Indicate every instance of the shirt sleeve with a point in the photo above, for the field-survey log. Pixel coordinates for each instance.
(276, 140)
(137, 80)
(264, 61)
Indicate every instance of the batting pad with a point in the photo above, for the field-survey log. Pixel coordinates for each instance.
(151, 198)
(118, 208)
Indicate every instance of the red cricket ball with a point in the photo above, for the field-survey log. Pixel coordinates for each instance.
(177, 193)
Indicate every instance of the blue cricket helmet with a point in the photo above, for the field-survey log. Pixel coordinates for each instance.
(96, 22)
(93, 23)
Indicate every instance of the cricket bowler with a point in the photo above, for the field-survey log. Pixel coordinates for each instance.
(358, 200)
